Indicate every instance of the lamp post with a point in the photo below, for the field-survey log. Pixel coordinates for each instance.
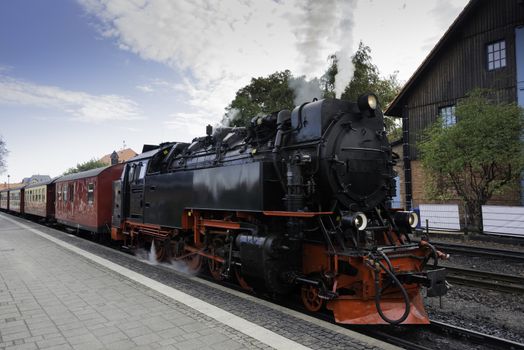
(8, 176)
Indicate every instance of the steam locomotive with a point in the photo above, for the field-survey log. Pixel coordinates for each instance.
(295, 203)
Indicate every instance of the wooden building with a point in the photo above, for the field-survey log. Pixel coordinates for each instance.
(483, 48)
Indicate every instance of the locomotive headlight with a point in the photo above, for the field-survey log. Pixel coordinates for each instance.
(372, 101)
(368, 101)
(413, 219)
(357, 220)
(406, 219)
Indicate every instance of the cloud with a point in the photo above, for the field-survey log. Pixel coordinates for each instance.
(80, 105)
(192, 124)
(5, 68)
(444, 12)
(145, 88)
(219, 45)
(155, 85)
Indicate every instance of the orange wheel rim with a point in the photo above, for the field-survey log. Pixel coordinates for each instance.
(310, 298)
(193, 263)
(241, 281)
(215, 268)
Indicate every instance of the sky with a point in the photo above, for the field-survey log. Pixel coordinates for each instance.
(80, 79)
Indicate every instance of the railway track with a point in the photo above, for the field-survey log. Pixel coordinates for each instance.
(484, 279)
(475, 337)
(480, 251)
(409, 337)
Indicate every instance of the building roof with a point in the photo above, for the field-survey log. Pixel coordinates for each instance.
(123, 155)
(83, 174)
(36, 179)
(10, 186)
(37, 184)
(395, 107)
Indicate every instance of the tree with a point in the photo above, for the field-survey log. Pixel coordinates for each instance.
(366, 78)
(261, 96)
(90, 164)
(481, 155)
(3, 154)
(328, 79)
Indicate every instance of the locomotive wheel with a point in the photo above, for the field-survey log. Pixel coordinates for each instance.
(310, 298)
(194, 263)
(215, 268)
(161, 251)
(241, 281)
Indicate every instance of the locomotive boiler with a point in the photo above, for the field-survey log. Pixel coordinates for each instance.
(295, 204)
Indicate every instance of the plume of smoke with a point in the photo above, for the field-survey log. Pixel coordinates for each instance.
(345, 71)
(326, 26)
(305, 90)
(229, 116)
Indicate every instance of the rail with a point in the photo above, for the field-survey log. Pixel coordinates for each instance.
(480, 251)
(474, 336)
(484, 279)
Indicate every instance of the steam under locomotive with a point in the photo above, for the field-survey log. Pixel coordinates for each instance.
(296, 202)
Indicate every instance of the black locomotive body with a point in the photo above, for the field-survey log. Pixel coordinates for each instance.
(297, 201)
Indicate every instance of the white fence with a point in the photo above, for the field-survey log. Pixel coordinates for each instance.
(440, 216)
(503, 220)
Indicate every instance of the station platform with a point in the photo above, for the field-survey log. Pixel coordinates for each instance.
(59, 291)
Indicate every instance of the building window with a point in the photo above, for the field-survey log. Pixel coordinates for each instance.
(448, 115)
(496, 55)
(90, 193)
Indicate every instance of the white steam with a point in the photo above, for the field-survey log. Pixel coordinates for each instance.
(305, 90)
(218, 46)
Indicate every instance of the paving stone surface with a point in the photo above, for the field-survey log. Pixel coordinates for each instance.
(64, 291)
(51, 298)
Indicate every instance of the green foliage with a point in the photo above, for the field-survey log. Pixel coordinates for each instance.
(367, 79)
(261, 96)
(482, 154)
(3, 154)
(268, 94)
(327, 81)
(90, 164)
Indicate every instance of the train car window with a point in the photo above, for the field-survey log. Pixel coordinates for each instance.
(90, 193)
(59, 192)
(143, 167)
(131, 174)
(64, 196)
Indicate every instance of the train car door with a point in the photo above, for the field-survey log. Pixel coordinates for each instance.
(137, 174)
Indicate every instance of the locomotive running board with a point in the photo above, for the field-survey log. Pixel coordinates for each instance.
(355, 311)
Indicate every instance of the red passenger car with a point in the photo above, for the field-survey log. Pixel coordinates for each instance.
(4, 199)
(83, 200)
(39, 199)
(16, 200)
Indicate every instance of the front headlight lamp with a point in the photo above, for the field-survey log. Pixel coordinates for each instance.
(406, 219)
(367, 102)
(357, 220)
